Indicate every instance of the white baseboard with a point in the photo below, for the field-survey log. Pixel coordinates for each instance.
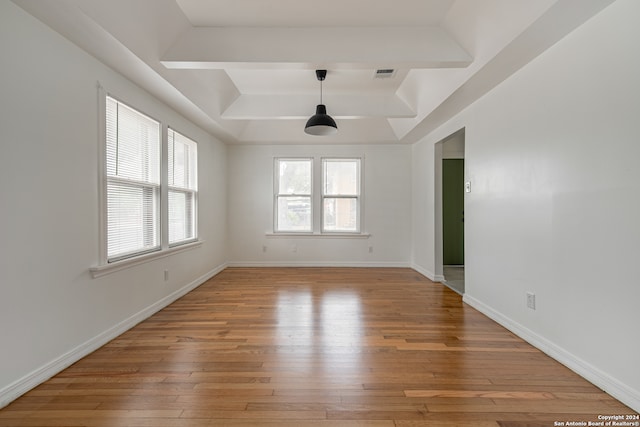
(428, 274)
(11, 392)
(600, 379)
(317, 264)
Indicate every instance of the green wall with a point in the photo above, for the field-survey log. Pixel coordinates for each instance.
(453, 211)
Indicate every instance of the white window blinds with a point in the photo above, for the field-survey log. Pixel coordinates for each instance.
(133, 181)
(182, 155)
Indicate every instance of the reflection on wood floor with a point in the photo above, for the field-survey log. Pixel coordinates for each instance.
(314, 347)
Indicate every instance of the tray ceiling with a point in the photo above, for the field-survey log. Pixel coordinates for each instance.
(244, 69)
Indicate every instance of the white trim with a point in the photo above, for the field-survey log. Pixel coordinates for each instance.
(604, 381)
(357, 196)
(328, 264)
(42, 374)
(104, 269)
(428, 274)
(193, 189)
(102, 178)
(164, 189)
(329, 235)
(276, 189)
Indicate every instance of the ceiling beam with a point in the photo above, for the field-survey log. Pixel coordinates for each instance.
(274, 107)
(309, 48)
(373, 131)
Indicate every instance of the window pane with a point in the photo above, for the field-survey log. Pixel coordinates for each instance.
(132, 214)
(182, 160)
(181, 216)
(182, 156)
(294, 177)
(133, 144)
(341, 177)
(294, 213)
(340, 214)
(133, 176)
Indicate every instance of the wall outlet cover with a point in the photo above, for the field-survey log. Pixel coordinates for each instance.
(531, 300)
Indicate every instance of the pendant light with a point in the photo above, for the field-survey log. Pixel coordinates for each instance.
(321, 123)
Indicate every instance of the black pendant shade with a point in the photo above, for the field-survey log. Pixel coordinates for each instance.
(321, 123)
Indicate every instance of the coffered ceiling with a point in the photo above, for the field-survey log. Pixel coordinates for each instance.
(244, 69)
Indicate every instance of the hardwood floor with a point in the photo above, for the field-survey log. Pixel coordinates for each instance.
(314, 347)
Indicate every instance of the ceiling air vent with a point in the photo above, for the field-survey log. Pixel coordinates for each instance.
(384, 73)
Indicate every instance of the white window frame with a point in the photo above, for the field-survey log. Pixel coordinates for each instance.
(103, 266)
(317, 200)
(277, 195)
(356, 196)
(191, 190)
(154, 232)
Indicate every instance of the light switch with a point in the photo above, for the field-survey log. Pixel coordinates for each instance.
(467, 187)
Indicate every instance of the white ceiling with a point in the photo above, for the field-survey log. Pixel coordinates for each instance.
(244, 69)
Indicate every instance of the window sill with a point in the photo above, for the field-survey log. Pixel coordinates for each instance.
(103, 270)
(320, 235)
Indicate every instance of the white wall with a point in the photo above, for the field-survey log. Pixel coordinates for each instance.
(386, 204)
(553, 155)
(51, 310)
(424, 209)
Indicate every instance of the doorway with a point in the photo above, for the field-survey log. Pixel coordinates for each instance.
(450, 210)
(453, 212)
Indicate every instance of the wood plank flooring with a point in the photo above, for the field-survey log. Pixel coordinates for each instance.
(314, 347)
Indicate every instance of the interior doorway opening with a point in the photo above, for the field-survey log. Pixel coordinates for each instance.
(449, 191)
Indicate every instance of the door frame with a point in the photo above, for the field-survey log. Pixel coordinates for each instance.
(441, 152)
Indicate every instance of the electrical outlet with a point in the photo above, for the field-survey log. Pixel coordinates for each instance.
(370, 249)
(294, 248)
(166, 275)
(264, 248)
(531, 300)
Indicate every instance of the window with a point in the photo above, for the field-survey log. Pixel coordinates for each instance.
(338, 197)
(182, 187)
(293, 195)
(133, 181)
(146, 206)
(341, 195)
